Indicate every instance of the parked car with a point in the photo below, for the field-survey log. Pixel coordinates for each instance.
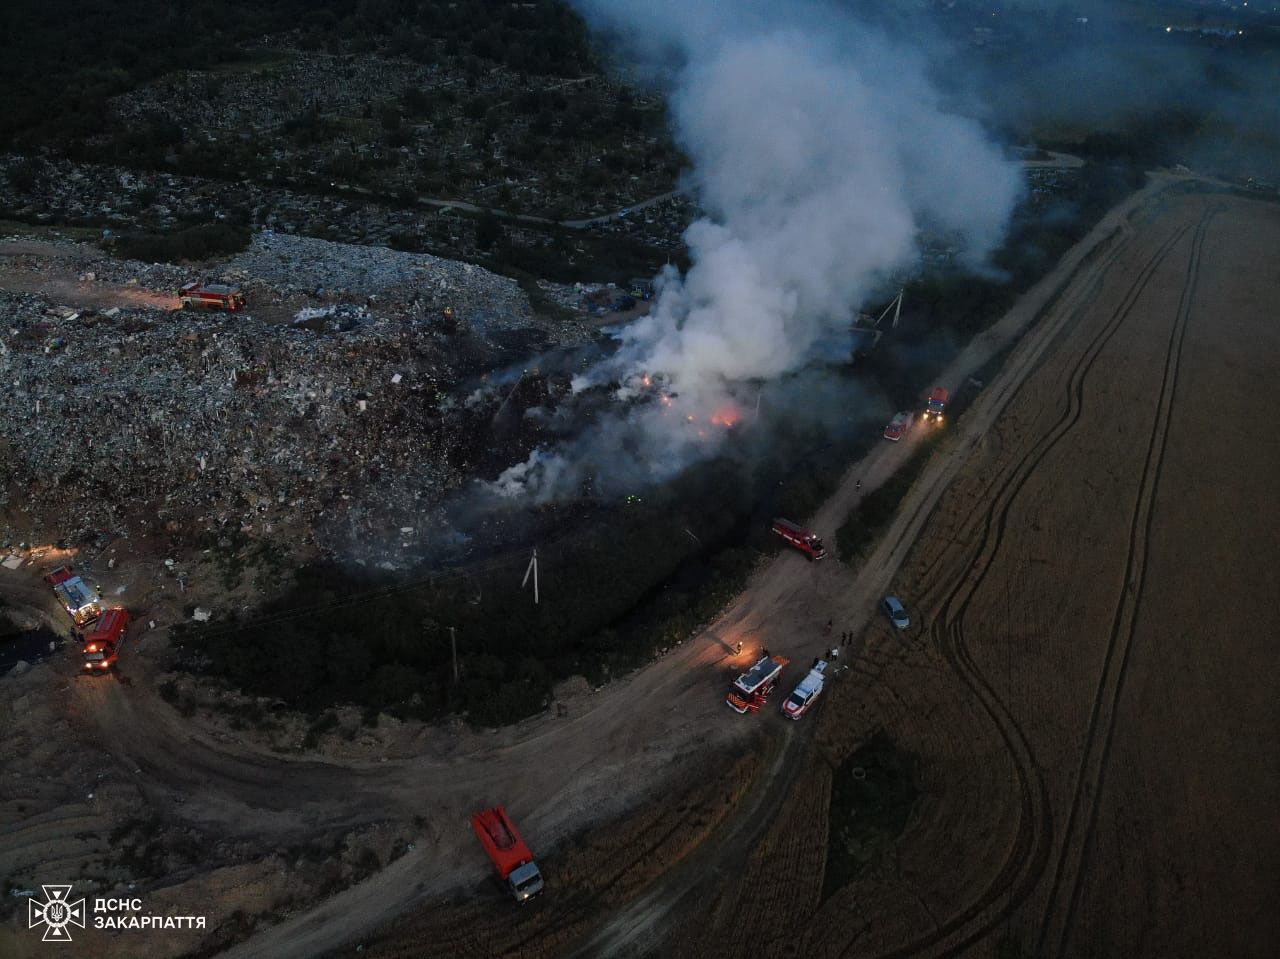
(897, 615)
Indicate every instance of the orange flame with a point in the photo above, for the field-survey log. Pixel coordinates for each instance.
(726, 416)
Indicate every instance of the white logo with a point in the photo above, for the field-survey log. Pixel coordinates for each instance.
(56, 914)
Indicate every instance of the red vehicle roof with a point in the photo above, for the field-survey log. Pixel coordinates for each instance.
(790, 527)
(500, 840)
(938, 395)
(59, 575)
(110, 628)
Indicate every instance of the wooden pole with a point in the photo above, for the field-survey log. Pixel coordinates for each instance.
(453, 643)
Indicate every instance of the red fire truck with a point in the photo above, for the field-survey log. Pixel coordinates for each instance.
(751, 690)
(936, 408)
(897, 426)
(102, 646)
(511, 857)
(215, 296)
(77, 598)
(799, 537)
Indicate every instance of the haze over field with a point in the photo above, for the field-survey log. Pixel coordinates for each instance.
(819, 151)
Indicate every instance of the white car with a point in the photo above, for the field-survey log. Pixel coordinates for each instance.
(806, 693)
(897, 615)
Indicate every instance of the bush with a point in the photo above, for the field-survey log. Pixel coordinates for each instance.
(488, 231)
(326, 722)
(194, 243)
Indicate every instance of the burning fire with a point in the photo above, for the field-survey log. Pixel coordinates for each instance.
(727, 416)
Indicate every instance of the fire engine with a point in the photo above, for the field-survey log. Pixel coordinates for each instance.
(511, 857)
(800, 538)
(936, 406)
(215, 296)
(751, 690)
(82, 603)
(807, 692)
(102, 646)
(897, 426)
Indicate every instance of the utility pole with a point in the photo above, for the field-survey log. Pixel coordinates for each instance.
(532, 568)
(508, 399)
(453, 644)
(896, 306)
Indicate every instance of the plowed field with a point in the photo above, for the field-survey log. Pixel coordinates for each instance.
(1089, 685)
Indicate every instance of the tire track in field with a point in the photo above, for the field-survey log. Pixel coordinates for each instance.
(630, 932)
(1030, 850)
(1093, 760)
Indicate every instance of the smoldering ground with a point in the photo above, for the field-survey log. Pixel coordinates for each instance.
(822, 148)
(820, 152)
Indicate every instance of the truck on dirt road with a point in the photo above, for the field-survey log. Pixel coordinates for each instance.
(214, 296)
(102, 646)
(511, 857)
(806, 692)
(82, 603)
(897, 426)
(937, 405)
(751, 690)
(800, 538)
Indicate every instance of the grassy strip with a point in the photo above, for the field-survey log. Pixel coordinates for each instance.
(872, 794)
(870, 517)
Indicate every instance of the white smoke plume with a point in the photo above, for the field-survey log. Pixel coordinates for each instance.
(819, 152)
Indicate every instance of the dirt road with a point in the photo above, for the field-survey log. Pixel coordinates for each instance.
(65, 289)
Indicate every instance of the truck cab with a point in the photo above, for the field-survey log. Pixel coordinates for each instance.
(937, 405)
(214, 296)
(525, 881)
(102, 646)
(897, 426)
(751, 690)
(799, 537)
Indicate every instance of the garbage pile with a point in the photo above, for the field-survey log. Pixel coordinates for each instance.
(299, 264)
(270, 430)
(97, 194)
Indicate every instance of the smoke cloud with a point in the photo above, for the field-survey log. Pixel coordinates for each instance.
(820, 153)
